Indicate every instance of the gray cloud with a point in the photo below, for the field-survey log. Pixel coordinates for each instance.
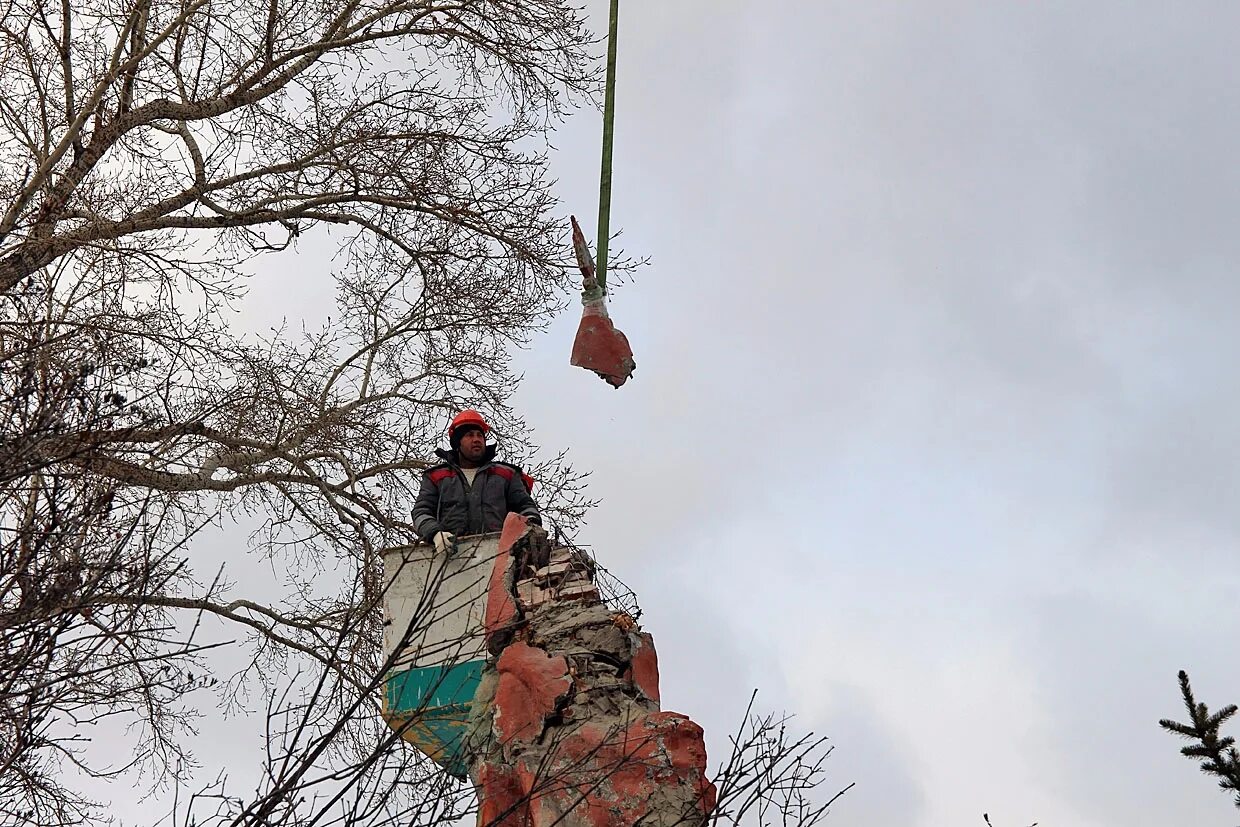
(939, 330)
(933, 431)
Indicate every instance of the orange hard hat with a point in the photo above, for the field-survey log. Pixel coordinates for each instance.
(468, 417)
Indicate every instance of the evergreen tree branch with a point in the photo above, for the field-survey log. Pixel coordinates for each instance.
(1216, 752)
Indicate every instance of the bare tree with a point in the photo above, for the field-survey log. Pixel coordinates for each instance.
(155, 156)
(773, 774)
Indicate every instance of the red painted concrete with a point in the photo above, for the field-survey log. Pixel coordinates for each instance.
(658, 748)
(612, 779)
(644, 667)
(600, 347)
(683, 743)
(531, 684)
(570, 750)
(502, 613)
(594, 778)
(501, 798)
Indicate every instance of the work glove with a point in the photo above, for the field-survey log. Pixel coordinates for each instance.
(444, 540)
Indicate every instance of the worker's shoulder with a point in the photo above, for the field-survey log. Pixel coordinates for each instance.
(439, 473)
(507, 470)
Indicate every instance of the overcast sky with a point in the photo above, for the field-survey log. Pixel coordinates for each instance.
(933, 438)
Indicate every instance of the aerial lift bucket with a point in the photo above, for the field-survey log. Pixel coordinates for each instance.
(599, 346)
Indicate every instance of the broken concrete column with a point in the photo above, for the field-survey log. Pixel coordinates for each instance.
(567, 727)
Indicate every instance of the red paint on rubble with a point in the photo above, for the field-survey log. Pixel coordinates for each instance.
(684, 745)
(502, 613)
(579, 773)
(660, 748)
(635, 763)
(531, 684)
(601, 778)
(599, 757)
(555, 804)
(644, 667)
(501, 798)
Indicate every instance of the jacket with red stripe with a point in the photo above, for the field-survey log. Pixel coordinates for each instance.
(447, 502)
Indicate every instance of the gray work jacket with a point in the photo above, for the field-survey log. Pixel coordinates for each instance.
(447, 502)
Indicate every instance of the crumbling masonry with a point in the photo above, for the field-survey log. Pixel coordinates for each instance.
(566, 727)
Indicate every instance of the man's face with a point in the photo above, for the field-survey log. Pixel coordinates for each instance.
(473, 445)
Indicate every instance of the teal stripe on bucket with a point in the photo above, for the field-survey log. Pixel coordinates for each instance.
(431, 704)
(429, 687)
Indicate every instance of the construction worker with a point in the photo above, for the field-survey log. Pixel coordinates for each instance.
(470, 493)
